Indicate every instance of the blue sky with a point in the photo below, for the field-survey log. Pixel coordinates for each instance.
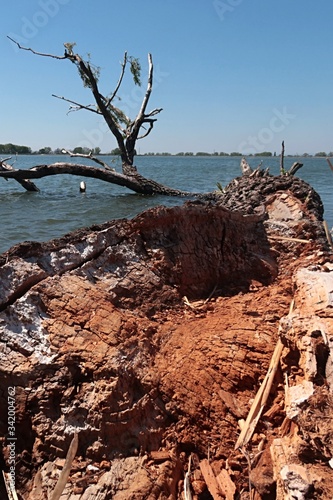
(230, 75)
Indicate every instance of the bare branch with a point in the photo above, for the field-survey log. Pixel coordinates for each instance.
(149, 87)
(154, 112)
(89, 157)
(123, 65)
(79, 106)
(5, 159)
(35, 52)
(151, 125)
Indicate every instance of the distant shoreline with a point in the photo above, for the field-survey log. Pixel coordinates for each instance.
(177, 155)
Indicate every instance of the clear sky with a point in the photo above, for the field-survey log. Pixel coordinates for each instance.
(230, 75)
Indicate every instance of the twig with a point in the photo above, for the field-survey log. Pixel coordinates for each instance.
(34, 52)
(114, 93)
(5, 159)
(59, 488)
(79, 106)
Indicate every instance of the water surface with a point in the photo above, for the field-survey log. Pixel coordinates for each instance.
(59, 207)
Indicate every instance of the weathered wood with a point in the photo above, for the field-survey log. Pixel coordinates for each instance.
(285, 238)
(210, 480)
(295, 166)
(9, 486)
(245, 167)
(260, 399)
(226, 484)
(64, 475)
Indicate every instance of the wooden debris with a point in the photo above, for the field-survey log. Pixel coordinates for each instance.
(294, 167)
(262, 394)
(293, 480)
(245, 167)
(260, 399)
(273, 411)
(210, 295)
(210, 480)
(59, 488)
(160, 456)
(285, 238)
(231, 403)
(226, 484)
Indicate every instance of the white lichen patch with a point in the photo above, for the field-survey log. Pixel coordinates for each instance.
(22, 331)
(23, 274)
(73, 256)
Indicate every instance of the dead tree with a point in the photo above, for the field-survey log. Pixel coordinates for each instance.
(125, 130)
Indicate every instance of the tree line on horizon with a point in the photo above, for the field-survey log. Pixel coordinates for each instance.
(26, 150)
